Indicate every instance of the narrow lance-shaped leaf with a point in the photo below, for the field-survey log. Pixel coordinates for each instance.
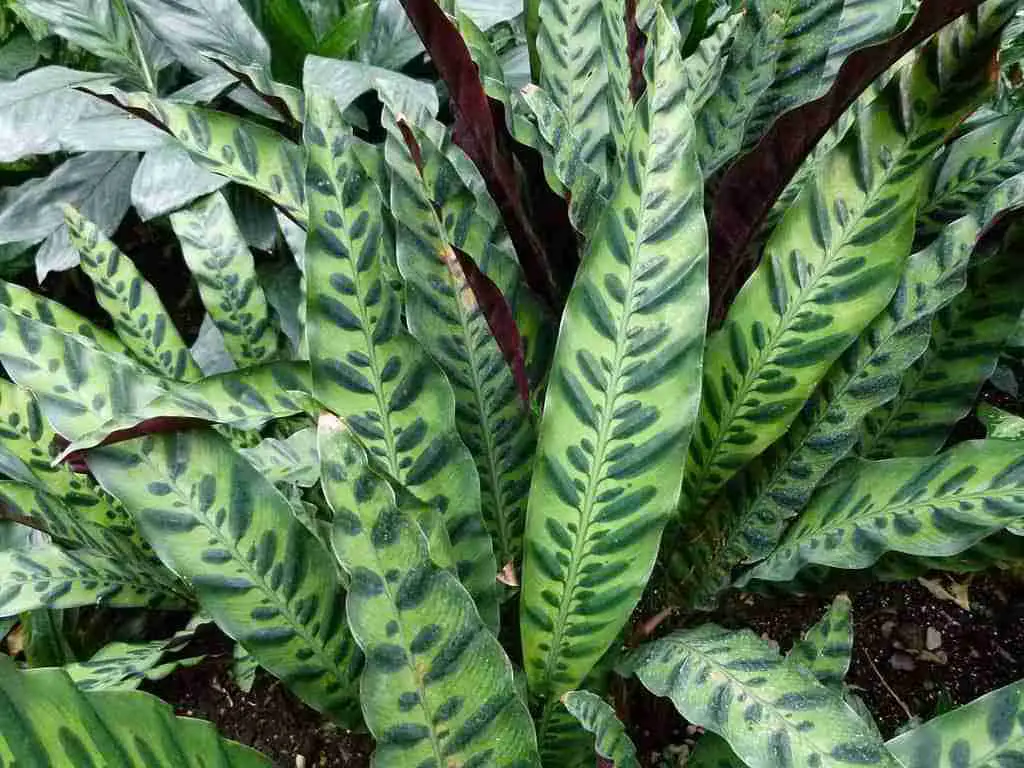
(598, 717)
(266, 581)
(748, 518)
(140, 319)
(630, 342)
(967, 338)
(437, 687)
(918, 506)
(50, 577)
(772, 713)
(22, 301)
(223, 266)
(988, 731)
(825, 648)
(704, 67)
(366, 367)
(830, 267)
(445, 315)
(48, 721)
(124, 666)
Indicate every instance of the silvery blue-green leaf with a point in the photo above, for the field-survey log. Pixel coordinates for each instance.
(392, 40)
(933, 507)
(284, 286)
(773, 713)
(117, 132)
(1000, 424)
(825, 648)
(254, 215)
(598, 717)
(295, 237)
(209, 350)
(985, 733)
(20, 53)
(49, 722)
(37, 107)
(168, 179)
(291, 460)
(140, 319)
(194, 29)
(266, 581)
(345, 81)
(225, 271)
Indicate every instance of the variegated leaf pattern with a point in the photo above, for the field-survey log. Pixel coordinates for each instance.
(575, 67)
(223, 266)
(598, 717)
(445, 315)
(771, 712)
(289, 460)
(967, 337)
(563, 741)
(704, 67)
(21, 301)
(238, 400)
(825, 648)
(1000, 551)
(748, 518)
(124, 666)
(988, 731)
(630, 342)
(366, 367)
(1000, 424)
(934, 507)
(437, 688)
(47, 576)
(970, 168)
(862, 23)
(48, 721)
(140, 319)
(831, 265)
(79, 386)
(256, 571)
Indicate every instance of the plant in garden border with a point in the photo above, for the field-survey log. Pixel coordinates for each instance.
(341, 498)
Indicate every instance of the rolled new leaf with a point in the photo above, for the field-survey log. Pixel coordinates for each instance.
(598, 717)
(437, 688)
(918, 506)
(49, 722)
(140, 319)
(622, 396)
(257, 572)
(825, 648)
(772, 713)
(366, 367)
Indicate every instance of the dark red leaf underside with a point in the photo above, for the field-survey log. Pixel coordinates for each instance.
(481, 133)
(636, 43)
(752, 185)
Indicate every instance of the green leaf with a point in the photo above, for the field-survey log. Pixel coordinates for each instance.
(988, 731)
(437, 687)
(49, 577)
(347, 32)
(611, 449)
(266, 581)
(825, 648)
(828, 269)
(22, 301)
(366, 367)
(970, 168)
(123, 666)
(243, 668)
(139, 316)
(223, 266)
(999, 424)
(598, 717)
(292, 460)
(50, 722)
(168, 179)
(942, 386)
(771, 712)
(704, 67)
(241, 400)
(712, 751)
(1002, 550)
(445, 315)
(919, 506)
(749, 517)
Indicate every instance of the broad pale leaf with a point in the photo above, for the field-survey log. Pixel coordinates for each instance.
(772, 713)
(967, 338)
(290, 460)
(223, 266)
(168, 179)
(918, 506)
(345, 81)
(437, 686)
(445, 315)
(987, 732)
(829, 268)
(598, 717)
(366, 367)
(748, 518)
(140, 319)
(630, 343)
(265, 580)
(47, 576)
(51, 722)
(825, 648)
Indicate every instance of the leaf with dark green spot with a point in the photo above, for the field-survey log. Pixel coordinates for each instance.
(598, 717)
(825, 648)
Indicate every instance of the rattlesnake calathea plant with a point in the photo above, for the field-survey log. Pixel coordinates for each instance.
(698, 307)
